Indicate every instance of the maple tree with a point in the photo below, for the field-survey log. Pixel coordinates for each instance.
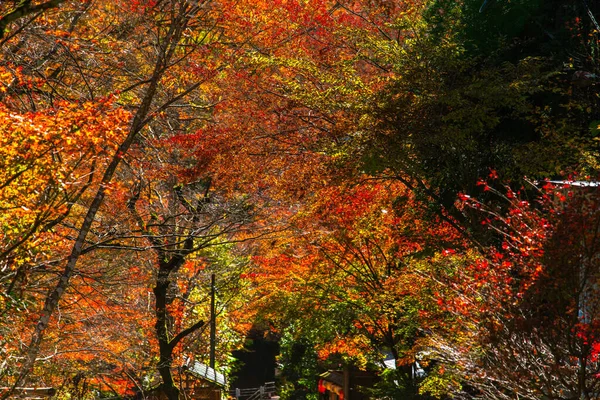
(192, 219)
(351, 267)
(523, 312)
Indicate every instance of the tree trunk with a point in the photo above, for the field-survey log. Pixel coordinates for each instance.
(162, 334)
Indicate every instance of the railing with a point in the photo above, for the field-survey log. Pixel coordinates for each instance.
(267, 391)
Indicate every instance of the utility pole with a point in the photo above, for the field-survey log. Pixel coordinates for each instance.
(213, 322)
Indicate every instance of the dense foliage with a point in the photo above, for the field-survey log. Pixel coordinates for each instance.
(367, 178)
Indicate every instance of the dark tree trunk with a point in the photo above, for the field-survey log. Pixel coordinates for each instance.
(162, 334)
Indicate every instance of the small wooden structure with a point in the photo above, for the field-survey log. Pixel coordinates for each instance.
(196, 381)
(345, 385)
(331, 386)
(201, 382)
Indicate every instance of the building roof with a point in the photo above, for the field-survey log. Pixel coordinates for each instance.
(207, 373)
(577, 183)
(333, 377)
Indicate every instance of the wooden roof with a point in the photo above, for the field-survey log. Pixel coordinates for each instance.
(203, 371)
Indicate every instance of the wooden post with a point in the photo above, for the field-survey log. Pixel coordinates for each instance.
(213, 322)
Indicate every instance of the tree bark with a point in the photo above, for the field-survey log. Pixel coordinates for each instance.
(162, 334)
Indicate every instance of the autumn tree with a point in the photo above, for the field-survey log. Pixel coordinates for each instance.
(189, 219)
(75, 68)
(352, 266)
(523, 313)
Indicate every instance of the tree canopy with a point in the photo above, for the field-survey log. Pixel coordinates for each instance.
(364, 178)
